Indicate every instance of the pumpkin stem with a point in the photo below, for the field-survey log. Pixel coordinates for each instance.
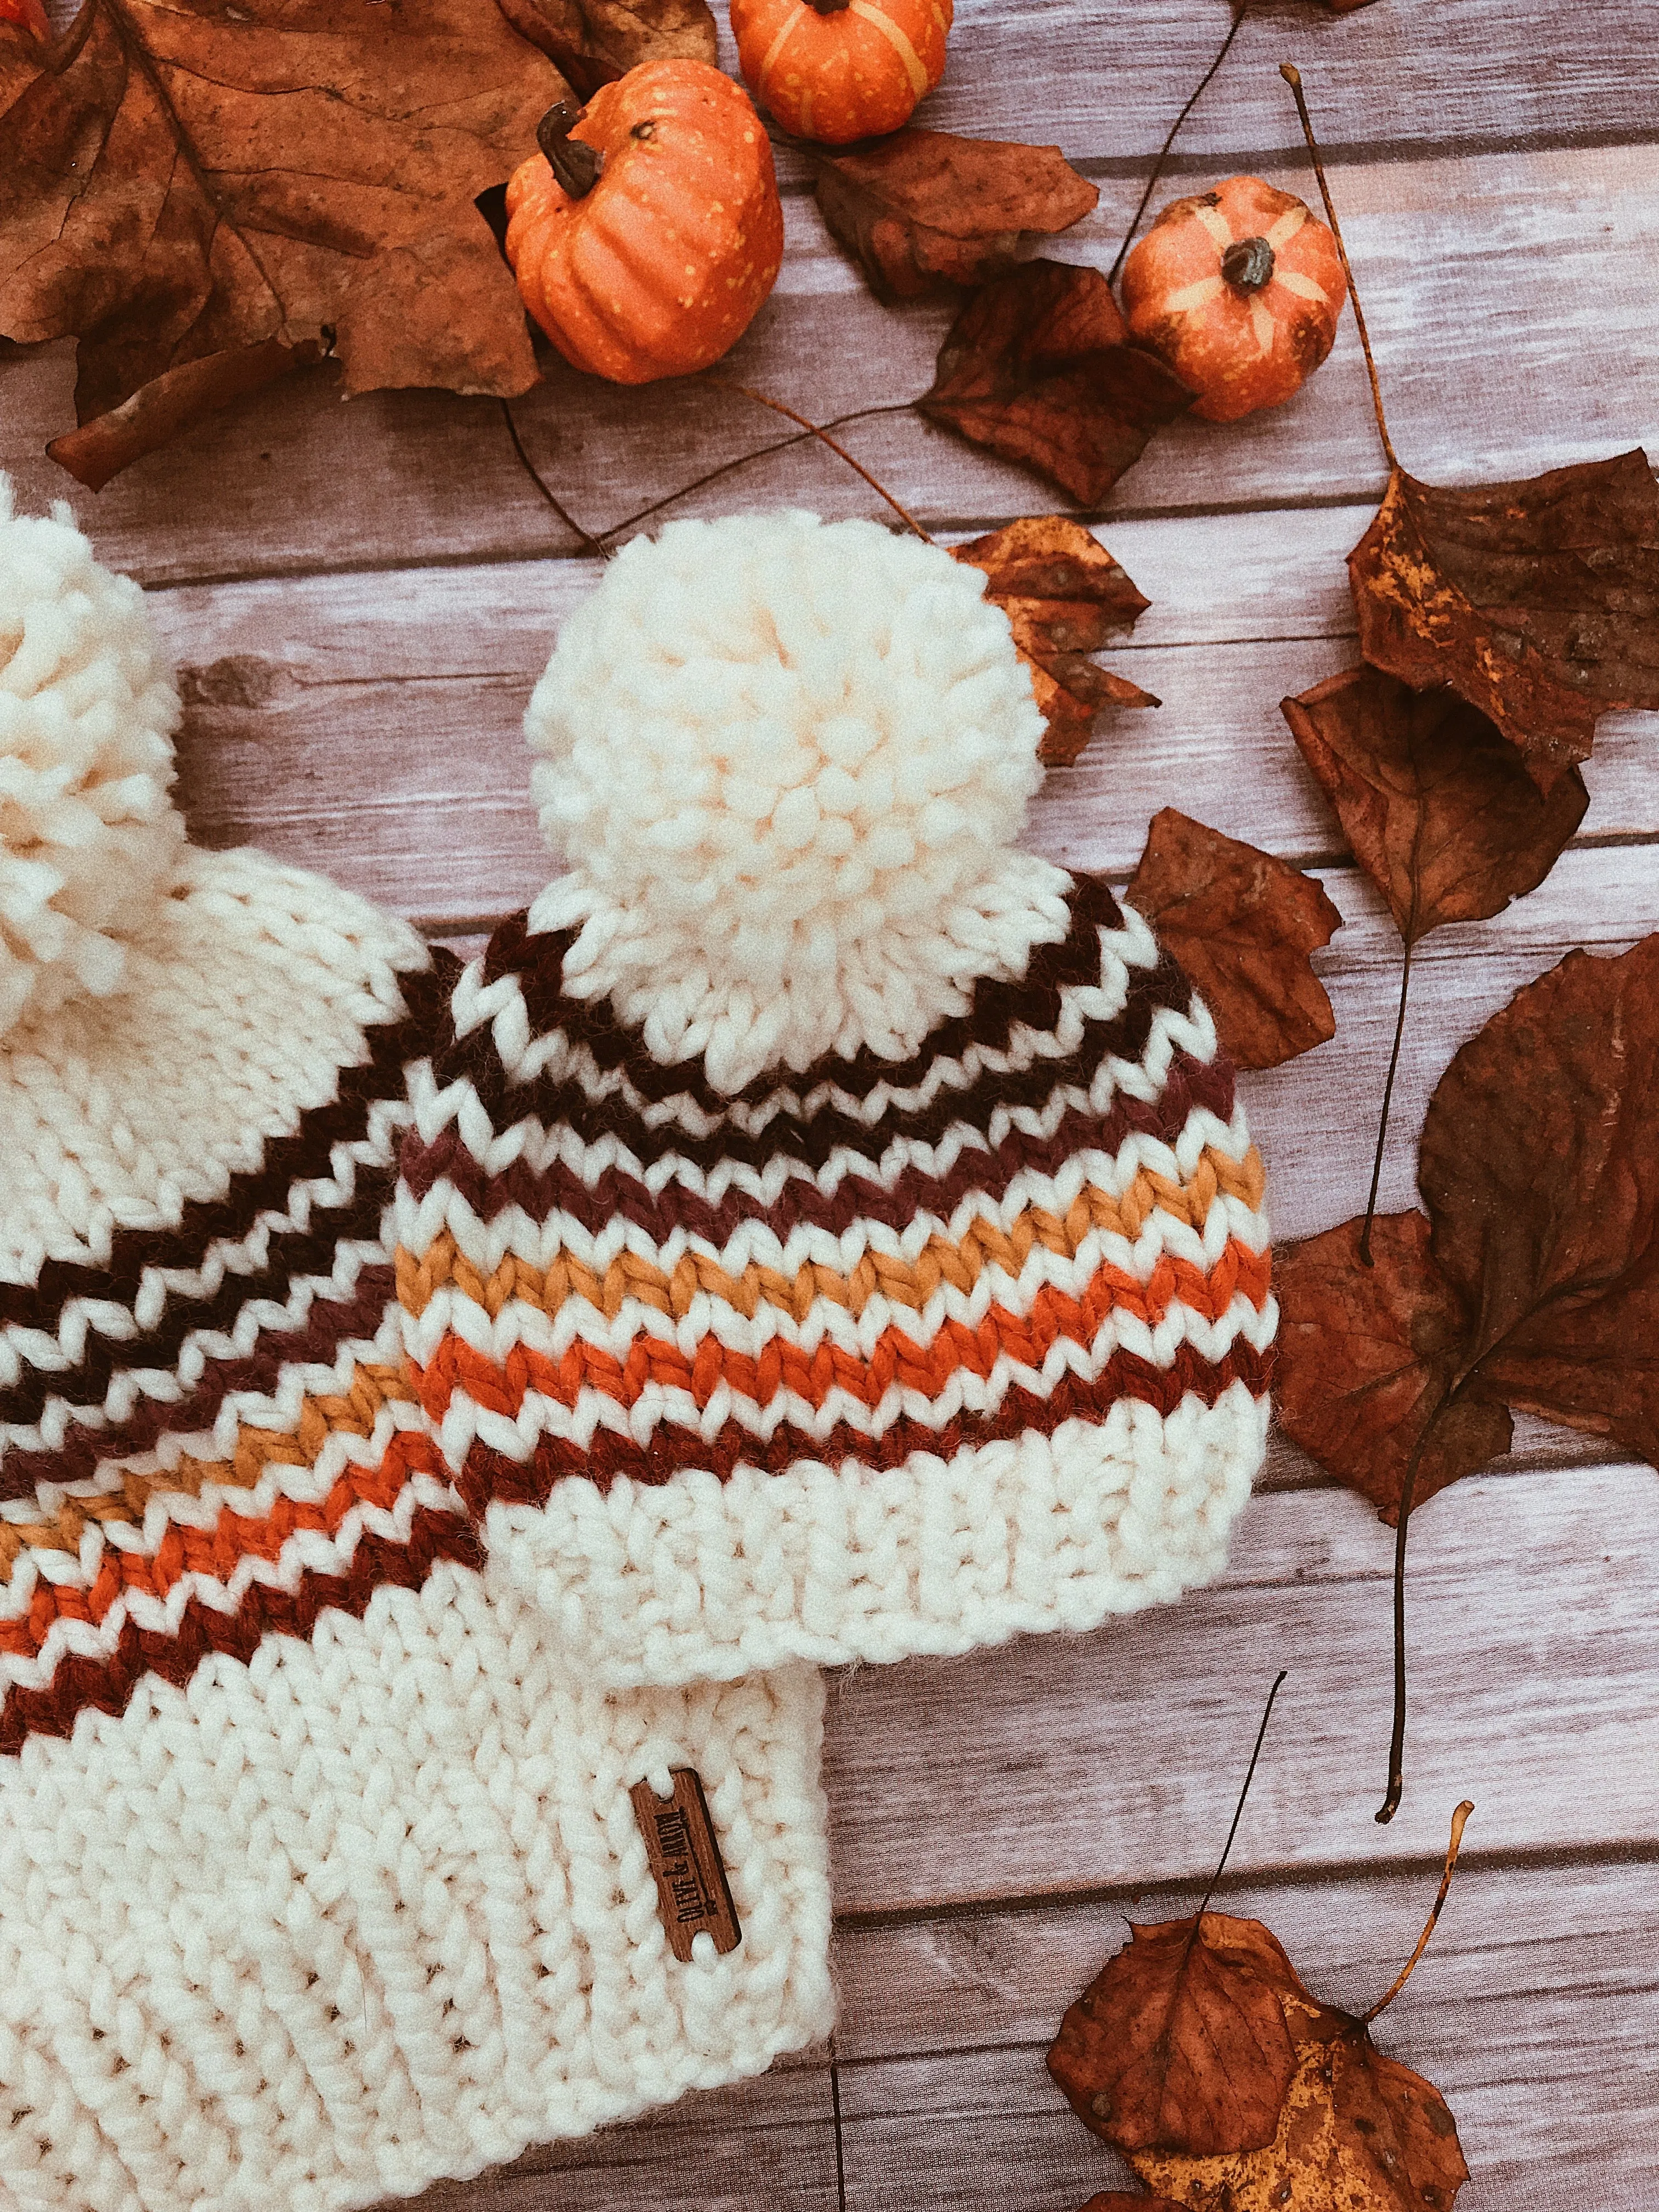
(1248, 263)
(1292, 77)
(575, 163)
(829, 7)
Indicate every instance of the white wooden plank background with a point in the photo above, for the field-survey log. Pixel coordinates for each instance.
(360, 597)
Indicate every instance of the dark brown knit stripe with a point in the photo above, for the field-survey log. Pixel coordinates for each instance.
(537, 961)
(341, 1119)
(108, 1683)
(329, 1323)
(978, 1170)
(812, 1139)
(290, 1256)
(489, 1476)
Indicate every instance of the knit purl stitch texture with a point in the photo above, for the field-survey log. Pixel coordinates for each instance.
(901, 1346)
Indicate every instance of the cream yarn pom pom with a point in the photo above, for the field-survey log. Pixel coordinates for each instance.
(786, 761)
(90, 841)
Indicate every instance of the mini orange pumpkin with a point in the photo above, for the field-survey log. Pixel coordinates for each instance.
(838, 70)
(1240, 290)
(645, 237)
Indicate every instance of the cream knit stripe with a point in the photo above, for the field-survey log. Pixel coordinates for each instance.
(698, 1576)
(390, 1919)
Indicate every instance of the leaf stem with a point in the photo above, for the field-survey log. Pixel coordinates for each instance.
(1241, 8)
(1365, 1259)
(1238, 1810)
(777, 407)
(1292, 77)
(1460, 1820)
(593, 544)
(1390, 1804)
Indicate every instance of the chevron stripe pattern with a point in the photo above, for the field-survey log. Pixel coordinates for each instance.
(878, 1359)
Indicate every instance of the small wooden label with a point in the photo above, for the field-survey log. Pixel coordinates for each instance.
(692, 1895)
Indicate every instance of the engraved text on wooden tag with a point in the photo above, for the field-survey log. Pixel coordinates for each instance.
(692, 1895)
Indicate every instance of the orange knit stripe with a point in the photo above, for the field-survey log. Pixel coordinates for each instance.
(501, 1387)
(355, 1413)
(909, 1283)
(216, 1551)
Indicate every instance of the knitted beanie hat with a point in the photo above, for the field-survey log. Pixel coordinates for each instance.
(322, 1873)
(828, 1232)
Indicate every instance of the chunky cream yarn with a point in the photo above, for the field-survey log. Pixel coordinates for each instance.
(90, 841)
(786, 761)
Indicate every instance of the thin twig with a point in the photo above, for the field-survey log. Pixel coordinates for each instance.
(1292, 77)
(1390, 1804)
(777, 407)
(1365, 1259)
(1238, 1810)
(742, 461)
(1241, 8)
(1460, 1819)
(593, 544)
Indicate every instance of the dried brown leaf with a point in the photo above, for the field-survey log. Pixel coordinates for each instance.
(184, 184)
(1063, 594)
(1126, 2200)
(169, 405)
(1180, 2042)
(1540, 1167)
(1537, 602)
(922, 210)
(31, 15)
(1368, 1358)
(1241, 924)
(1440, 812)
(1036, 367)
(1358, 2130)
(593, 42)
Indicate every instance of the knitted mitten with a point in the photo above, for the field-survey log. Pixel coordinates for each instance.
(827, 1231)
(320, 1876)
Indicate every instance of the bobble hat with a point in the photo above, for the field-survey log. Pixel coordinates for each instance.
(826, 1230)
(321, 1877)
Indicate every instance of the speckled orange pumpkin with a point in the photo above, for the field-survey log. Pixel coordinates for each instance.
(839, 69)
(650, 250)
(1240, 289)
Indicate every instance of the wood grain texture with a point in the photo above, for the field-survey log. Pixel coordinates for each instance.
(1483, 379)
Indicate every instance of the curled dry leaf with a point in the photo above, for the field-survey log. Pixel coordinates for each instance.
(1533, 1282)
(924, 209)
(1439, 811)
(1241, 924)
(168, 404)
(1367, 1358)
(593, 42)
(1180, 2041)
(1537, 602)
(1063, 595)
(184, 184)
(1039, 368)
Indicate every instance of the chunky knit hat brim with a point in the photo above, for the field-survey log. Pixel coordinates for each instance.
(373, 1909)
(881, 1360)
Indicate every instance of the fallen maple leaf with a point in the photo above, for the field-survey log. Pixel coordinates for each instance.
(1038, 368)
(1439, 811)
(1537, 602)
(920, 209)
(29, 13)
(1063, 594)
(183, 185)
(593, 42)
(1241, 924)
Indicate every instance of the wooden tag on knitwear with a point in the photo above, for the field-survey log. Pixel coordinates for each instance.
(692, 1893)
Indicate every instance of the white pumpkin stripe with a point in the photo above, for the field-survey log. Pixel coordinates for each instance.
(1286, 227)
(1216, 223)
(1191, 297)
(1303, 287)
(1261, 324)
(896, 38)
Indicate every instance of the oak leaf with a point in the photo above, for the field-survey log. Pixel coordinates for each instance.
(1439, 811)
(921, 209)
(1539, 1167)
(1180, 2042)
(593, 42)
(1241, 924)
(184, 185)
(1063, 594)
(1537, 602)
(1038, 367)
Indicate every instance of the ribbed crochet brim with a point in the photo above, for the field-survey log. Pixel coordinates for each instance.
(373, 1909)
(889, 1358)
